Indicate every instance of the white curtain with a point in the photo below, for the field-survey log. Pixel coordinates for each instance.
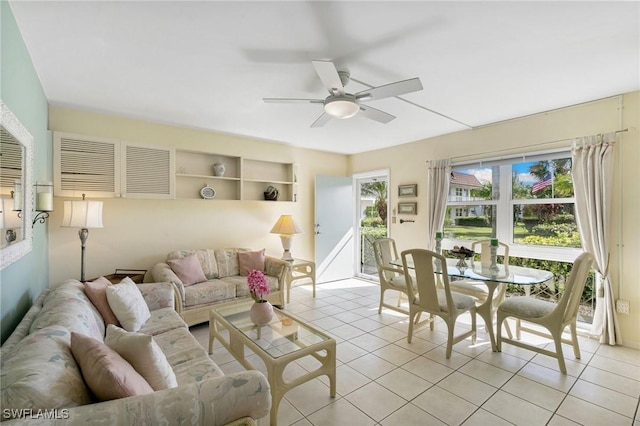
(592, 172)
(438, 176)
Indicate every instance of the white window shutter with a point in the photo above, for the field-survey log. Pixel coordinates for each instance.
(85, 165)
(148, 172)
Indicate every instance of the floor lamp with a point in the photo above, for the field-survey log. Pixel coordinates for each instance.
(84, 215)
(286, 227)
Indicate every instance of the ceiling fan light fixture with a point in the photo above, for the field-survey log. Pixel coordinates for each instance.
(344, 106)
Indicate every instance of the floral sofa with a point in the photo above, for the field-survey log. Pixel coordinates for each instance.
(41, 377)
(221, 280)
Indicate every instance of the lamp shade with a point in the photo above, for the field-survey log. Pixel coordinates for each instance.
(340, 107)
(286, 226)
(82, 214)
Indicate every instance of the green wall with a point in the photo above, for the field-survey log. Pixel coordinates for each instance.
(21, 91)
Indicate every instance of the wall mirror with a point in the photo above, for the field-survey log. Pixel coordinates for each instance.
(16, 163)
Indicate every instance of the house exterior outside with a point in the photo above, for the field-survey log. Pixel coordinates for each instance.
(460, 186)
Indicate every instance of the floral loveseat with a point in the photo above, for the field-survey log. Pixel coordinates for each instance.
(221, 277)
(42, 379)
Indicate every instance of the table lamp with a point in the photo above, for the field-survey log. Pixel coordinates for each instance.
(287, 228)
(84, 215)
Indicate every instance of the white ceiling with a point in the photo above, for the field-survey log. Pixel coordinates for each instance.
(208, 64)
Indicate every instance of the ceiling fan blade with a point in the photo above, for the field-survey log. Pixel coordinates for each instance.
(293, 100)
(388, 90)
(375, 114)
(322, 120)
(329, 75)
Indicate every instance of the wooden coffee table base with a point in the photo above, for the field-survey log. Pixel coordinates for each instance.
(324, 352)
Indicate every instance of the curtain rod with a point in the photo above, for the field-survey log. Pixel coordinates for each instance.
(525, 146)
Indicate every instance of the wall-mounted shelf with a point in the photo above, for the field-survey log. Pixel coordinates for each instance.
(244, 179)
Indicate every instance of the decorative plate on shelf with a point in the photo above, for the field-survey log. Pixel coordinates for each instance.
(208, 193)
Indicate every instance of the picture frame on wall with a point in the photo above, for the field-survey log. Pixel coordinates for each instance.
(410, 190)
(407, 208)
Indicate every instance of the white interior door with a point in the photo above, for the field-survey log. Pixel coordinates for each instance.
(334, 239)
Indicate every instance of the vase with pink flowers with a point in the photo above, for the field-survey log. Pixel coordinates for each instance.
(261, 311)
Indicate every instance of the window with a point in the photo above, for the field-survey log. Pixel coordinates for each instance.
(527, 202)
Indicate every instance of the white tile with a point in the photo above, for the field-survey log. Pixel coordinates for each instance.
(502, 360)
(486, 373)
(441, 391)
(326, 323)
(558, 420)
(621, 368)
(427, 369)
(395, 354)
(417, 345)
(445, 406)
(467, 388)
(346, 331)
(586, 413)
(390, 334)
(483, 418)
(612, 381)
(620, 353)
(534, 392)
(309, 397)
(375, 400)
(574, 366)
(347, 380)
(367, 324)
(598, 395)
(403, 383)
(336, 413)
(369, 342)
(410, 415)
(546, 376)
(439, 354)
(371, 366)
(347, 351)
(287, 414)
(516, 410)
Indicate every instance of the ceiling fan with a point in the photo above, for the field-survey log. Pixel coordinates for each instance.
(340, 104)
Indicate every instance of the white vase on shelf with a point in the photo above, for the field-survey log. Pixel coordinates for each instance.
(218, 169)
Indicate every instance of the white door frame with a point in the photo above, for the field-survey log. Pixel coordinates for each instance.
(356, 212)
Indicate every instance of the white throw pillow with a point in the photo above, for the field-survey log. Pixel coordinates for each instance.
(127, 303)
(144, 354)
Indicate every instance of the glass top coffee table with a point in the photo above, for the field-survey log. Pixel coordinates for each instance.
(286, 338)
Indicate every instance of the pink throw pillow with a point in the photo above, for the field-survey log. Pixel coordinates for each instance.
(96, 291)
(250, 260)
(106, 373)
(188, 269)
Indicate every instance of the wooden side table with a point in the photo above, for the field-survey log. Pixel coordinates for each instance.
(300, 269)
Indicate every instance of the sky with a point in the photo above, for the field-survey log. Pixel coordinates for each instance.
(521, 169)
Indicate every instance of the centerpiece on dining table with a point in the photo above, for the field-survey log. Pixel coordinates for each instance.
(261, 311)
(462, 253)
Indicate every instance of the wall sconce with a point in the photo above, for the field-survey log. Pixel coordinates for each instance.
(9, 219)
(44, 202)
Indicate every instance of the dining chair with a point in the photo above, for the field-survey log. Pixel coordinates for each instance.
(391, 277)
(435, 300)
(555, 317)
(479, 290)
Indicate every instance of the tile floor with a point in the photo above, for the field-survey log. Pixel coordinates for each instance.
(383, 380)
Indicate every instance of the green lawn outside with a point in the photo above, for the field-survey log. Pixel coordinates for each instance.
(480, 232)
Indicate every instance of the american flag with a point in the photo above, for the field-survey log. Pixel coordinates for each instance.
(542, 184)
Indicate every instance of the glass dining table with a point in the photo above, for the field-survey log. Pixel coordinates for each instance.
(492, 278)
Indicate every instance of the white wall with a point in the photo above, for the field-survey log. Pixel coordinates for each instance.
(138, 233)
(407, 165)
